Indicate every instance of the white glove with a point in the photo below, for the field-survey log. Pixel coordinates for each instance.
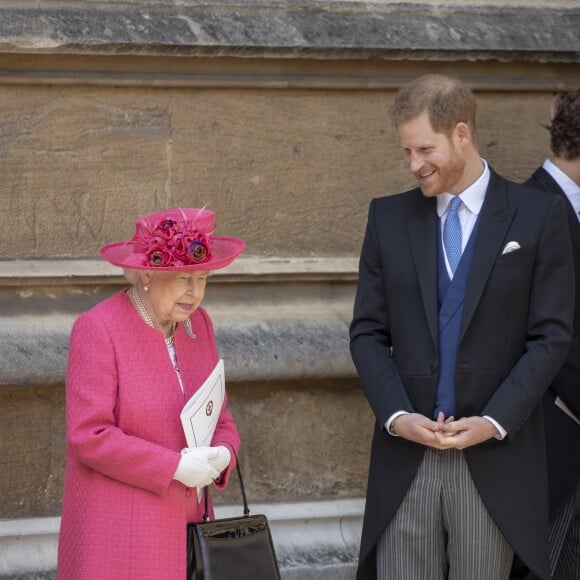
(222, 459)
(195, 469)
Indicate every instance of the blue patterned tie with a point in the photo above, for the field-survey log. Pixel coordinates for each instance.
(452, 234)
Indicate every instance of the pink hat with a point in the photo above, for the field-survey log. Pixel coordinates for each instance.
(173, 240)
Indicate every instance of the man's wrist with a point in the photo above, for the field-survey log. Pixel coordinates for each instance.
(500, 432)
(389, 425)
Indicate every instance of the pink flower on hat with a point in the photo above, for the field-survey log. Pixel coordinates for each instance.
(172, 243)
(167, 228)
(196, 247)
(197, 251)
(158, 256)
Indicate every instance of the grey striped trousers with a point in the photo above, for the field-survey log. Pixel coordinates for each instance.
(565, 541)
(442, 530)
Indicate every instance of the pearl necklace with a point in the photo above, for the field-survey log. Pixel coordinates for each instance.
(147, 317)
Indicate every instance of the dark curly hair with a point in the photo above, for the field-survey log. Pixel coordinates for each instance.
(565, 127)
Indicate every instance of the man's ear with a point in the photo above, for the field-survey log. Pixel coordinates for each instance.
(556, 103)
(463, 133)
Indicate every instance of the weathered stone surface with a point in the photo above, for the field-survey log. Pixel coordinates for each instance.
(290, 171)
(301, 440)
(265, 330)
(37, 575)
(34, 352)
(299, 28)
(32, 451)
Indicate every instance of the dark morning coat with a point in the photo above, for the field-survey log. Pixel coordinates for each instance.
(516, 329)
(562, 433)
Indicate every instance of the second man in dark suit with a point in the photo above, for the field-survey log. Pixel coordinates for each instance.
(560, 176)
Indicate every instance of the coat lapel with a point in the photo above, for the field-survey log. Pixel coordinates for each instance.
(495, 219)
(422, 226)
(547, 182)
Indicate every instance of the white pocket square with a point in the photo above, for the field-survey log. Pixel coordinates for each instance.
(510, 247)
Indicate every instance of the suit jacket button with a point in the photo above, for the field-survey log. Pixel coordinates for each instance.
(433, 368)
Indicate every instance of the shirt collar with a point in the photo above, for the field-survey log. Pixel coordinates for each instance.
(472, 197)
(568, 186)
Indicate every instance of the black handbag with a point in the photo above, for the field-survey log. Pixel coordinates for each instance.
(231, 548)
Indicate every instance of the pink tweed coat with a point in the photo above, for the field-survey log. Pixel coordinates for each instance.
(123, 515)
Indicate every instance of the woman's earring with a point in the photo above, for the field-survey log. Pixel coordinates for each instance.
(146, 288)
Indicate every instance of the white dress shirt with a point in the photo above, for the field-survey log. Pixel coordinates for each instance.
(569, 187)
(467, 212)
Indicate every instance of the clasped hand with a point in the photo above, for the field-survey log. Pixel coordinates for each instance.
(199, 466)
(445, 433)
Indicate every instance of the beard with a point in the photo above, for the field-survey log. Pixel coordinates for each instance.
(446, 178)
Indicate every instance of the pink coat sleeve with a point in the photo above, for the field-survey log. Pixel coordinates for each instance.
(92, 432)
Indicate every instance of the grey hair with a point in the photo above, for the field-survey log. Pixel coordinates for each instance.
(132, 276)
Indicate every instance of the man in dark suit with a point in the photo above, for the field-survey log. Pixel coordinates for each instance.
(560, 176)
(461, 320)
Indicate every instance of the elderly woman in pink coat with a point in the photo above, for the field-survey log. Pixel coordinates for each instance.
(134, 360)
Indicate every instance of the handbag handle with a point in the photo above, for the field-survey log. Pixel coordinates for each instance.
(242, 489)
